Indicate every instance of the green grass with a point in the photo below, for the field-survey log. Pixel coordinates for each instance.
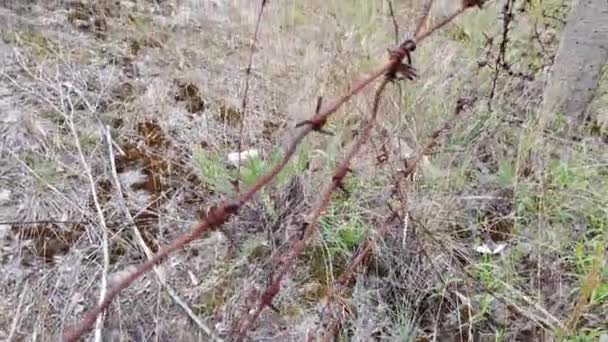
(40, 45)
(343, 227)
(44, 168)
(213, 170)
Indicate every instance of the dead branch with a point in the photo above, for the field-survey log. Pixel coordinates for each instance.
(507, 12)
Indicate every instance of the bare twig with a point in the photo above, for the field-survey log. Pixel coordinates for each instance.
(246, 91)
(102, 221)
(140, 241)
(507, 12)
(426, 10)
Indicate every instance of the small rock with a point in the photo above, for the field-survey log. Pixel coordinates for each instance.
(193, 279)
(489, 249)
(499, 312)
(233, 158)
(4, 230)
(5, 195)
(117, 277)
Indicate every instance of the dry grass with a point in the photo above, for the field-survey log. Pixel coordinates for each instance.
(168, 80)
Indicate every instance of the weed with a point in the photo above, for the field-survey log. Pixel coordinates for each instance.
(506, 173)
(584, 336)
(343, 226)
(488, 273)
(40, 45)
(211, 170)
(45, 169)
(214, 171)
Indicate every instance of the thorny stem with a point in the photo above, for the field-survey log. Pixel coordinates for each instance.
(501, 58)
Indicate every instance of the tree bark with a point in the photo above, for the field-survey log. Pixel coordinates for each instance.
(582, 53)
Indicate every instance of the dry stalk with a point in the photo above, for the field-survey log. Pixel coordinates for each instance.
(102, 221)
(140, 241)
(17, 314)
(589, 284)
(246, 90)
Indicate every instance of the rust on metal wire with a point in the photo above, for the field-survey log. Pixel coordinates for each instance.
(365, 248)
(392, 69)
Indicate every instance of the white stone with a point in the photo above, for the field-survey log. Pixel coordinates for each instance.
(5, 195)
(233, 158)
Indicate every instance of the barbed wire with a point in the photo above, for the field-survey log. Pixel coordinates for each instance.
(218, 215)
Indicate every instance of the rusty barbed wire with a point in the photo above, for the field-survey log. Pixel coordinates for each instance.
(365, 248)
(336, 183)
(265, 299)
(221, 213)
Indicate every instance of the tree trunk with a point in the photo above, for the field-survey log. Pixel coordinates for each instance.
(576, 71)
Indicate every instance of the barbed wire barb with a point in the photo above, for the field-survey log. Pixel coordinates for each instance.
(391, 70)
